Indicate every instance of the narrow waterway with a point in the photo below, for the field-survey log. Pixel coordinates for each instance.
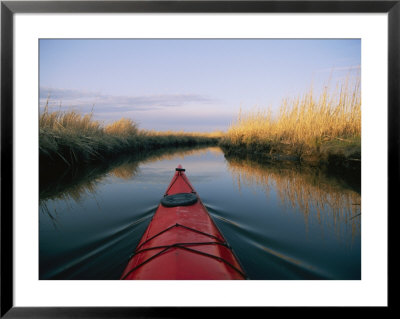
(282, 221)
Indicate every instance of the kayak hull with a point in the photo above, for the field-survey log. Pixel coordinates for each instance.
(183, 243)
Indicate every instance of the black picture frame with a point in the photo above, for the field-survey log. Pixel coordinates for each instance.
(9, 8)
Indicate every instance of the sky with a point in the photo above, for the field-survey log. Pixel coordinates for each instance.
(186, 84)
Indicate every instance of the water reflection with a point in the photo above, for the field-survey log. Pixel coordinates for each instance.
(79, 182)
(128, 169)
(322, 199)
(283, 221)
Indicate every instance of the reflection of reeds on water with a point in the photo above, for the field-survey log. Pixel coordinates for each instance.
(127, 170)
(74, 191)
(320, 199)
(76, 184)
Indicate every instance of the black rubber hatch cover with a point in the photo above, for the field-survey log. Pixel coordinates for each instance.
(180, 199)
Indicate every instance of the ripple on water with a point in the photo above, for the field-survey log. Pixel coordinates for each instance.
(283, 222)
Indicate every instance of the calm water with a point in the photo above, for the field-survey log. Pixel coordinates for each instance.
(283, 222)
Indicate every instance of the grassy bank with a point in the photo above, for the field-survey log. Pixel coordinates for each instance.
(68, 138)
(315, 129)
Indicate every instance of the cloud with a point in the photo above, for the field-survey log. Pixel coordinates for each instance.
(84, 100)
(341, 68)
(189, 112)
(197, 119)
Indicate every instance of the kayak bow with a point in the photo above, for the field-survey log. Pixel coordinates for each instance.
(182, 241)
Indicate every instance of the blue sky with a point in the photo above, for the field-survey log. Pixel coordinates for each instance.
(190, 85)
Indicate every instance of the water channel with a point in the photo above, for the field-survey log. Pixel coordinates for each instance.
(283, 221)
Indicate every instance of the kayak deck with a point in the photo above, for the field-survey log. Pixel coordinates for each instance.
(182, 243)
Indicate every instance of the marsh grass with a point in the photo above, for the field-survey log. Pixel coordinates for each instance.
(306, 126)
(123, 127)
(70, 138)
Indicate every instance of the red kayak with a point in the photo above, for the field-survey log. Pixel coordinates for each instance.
(182, 241)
